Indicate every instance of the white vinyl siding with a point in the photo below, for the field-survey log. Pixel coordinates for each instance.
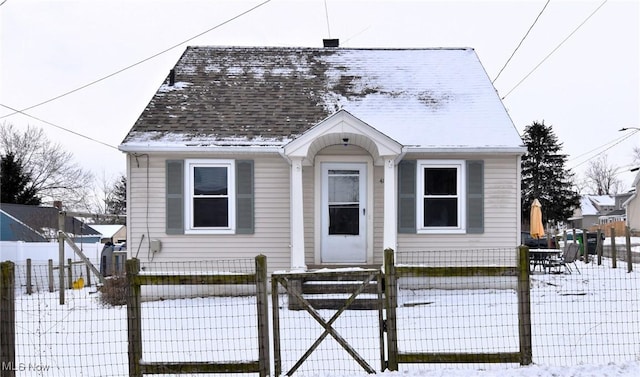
(147, 187)
(308, 182)
(378, 214)
(272, 211)
(501, 216)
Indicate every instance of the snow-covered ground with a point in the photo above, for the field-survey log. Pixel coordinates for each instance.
(584, 324)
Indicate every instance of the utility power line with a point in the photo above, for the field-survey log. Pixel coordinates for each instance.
(326, 12)
(608, 146)
(522, 40)
(555, 49)
(136, 63)
(59, 127)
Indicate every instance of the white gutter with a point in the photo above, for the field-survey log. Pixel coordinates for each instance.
(476, 150)
(137, 148)
(164, 148)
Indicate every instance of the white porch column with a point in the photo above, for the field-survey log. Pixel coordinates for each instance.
(390, 233)
(297, 216)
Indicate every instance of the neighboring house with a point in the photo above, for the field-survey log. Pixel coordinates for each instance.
(323, 156)
(40, 224)
(114, 233)
(12, 229)
(619, 212)
(594, 210)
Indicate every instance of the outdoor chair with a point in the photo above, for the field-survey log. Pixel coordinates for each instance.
(569, 255)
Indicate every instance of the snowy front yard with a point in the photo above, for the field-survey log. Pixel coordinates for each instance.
(582, 324)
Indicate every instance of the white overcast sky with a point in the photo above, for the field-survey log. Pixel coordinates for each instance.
(587, 88)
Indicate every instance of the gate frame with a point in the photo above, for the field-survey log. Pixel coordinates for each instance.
(521, 271)
(291, 283)
(137, 367)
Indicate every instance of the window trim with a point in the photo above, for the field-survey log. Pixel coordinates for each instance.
(460, 165)
(189, 164)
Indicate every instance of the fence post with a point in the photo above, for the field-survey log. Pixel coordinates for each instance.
(262, 299)
(391, 290)
(614, 256)
(50, 275)
(7, 319)
(277, 362)
(585, 246)
(524, 307)
(599, 246)
(88, 275)
(629, 256)
(61, 219)
(70, 273)
(29, 288)
(134, 320)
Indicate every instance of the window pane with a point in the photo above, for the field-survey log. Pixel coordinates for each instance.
(209, 180)
(441, 212)
(440, 181)
(344, 219)
(210, 212)
(344, 189)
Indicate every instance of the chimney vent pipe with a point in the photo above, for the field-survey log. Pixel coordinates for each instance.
(331, 42)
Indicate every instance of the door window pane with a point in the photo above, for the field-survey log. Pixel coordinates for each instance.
(344, 219)
(344, 186)
(344, 202)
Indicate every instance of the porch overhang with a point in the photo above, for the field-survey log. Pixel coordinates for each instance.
(339, 129)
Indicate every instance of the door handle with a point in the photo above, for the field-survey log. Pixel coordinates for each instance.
(364, 211)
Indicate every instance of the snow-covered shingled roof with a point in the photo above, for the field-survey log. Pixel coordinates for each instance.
(250, 96)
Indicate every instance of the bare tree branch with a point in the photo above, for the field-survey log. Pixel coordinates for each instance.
(601, 177)
(53, 173)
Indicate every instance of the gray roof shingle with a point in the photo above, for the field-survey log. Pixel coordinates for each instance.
(267, 96)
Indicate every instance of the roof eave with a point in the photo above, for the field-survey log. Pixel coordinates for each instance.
(150, 148)
(474, 150)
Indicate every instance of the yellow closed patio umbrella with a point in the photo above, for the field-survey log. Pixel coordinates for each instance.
(536, 228)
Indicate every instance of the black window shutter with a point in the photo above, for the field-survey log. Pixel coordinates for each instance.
(244, 197)
(475, 197)
(407, 196)
(175, 197)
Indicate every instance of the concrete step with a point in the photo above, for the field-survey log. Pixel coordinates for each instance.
(337, 303)
(328, 287)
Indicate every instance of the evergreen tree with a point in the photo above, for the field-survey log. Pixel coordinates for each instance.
(116, 202)
(545, 177)
(15, 185)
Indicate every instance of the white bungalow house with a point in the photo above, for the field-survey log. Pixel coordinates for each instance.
(322, 157)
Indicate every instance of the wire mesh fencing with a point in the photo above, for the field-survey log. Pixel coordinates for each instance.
(588, 316)
(83, 337)
(582, 313)
(88, 336)
(588, 313)
(459, 309)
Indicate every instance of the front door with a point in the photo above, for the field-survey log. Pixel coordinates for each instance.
(343, 214)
